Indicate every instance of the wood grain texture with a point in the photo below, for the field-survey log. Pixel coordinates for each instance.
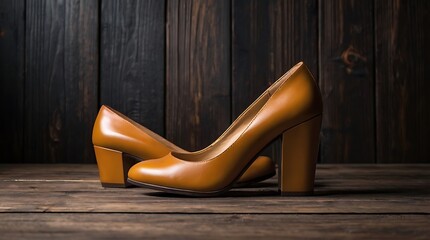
(61, 80)
(347, 81)
(212, 226)
(132, 60)
(348, 189)
(187, 68)
(402, 81)
(198, 71)
(269, 37)
(81, 78)
(12, 38)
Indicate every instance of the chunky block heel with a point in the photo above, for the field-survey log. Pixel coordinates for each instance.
(299, 153)
(113, 167)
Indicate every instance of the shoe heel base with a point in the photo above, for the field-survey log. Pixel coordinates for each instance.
(113, 167)
(116, 185)
(297, 194)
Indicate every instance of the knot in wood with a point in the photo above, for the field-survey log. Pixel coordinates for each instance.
(352, 59)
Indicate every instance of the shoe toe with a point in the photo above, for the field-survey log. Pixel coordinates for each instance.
(142, 172)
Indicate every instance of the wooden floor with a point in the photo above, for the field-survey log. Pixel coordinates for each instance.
(352, 201)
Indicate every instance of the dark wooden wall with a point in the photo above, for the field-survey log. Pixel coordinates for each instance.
(186, 69)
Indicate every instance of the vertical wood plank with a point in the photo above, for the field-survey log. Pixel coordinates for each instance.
(132, 59)
(61, 80)
(44, 86)
(11, 79)
(402, 81)
(81, 52)
(198, 71)
(269, 37)
(347, 81)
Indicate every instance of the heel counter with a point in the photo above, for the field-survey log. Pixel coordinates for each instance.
(300, 94)
(315, 89)
(116, 131)
(97, 131)
(106, 123)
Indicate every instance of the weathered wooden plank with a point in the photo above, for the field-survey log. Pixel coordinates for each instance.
(61, 80)
(132, 59)
(81, 198)
(48, 171)
(402, 81)
(269, 37)
(213, 226)
(80, 78)
(347, 81)
(198, 71)
(339, 189)
(11, 79)
(44, 85)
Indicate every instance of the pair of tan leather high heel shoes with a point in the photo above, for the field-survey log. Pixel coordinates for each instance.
(128, 153)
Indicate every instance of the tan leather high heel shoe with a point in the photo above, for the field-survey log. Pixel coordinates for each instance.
(119, 143)
(291, 107)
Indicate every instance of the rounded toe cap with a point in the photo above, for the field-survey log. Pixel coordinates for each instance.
(140, 172)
